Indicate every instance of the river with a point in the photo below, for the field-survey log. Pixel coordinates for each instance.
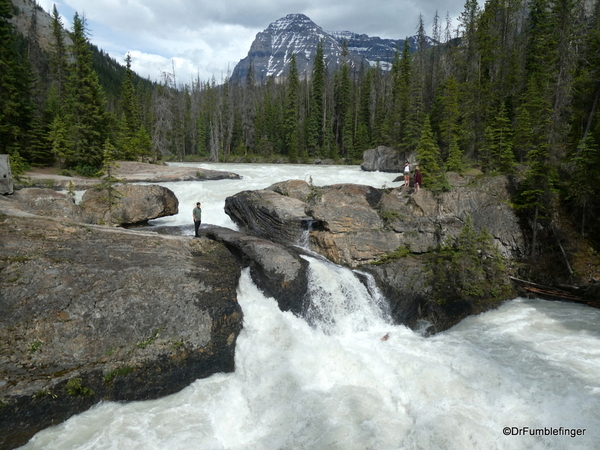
(526, 375)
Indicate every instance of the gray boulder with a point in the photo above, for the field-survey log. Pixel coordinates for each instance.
(139, 203)
(366, 226)
(6, 179)
(354, 225)
(92, 313)
(268, 214)
(298, 189)
(277, 270)
(383, 159)
(47, 203)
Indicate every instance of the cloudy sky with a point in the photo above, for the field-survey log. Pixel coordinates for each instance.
(207, 38)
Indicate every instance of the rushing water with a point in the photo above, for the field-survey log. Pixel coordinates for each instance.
(331, 382)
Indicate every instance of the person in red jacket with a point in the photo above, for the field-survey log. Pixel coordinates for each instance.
(418, 179)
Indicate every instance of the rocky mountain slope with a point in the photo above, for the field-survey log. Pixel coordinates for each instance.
(270, 53)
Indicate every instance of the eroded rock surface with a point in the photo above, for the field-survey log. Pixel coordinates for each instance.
(354, 224)
(95, 313)
(137, 203)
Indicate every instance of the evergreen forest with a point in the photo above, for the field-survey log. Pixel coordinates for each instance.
(513, 89)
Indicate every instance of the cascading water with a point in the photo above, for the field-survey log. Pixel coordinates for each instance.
(332, 382)
(339, 302)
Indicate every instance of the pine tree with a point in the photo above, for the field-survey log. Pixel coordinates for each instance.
(291, 124)
(315, 133)
(497, 150)
(429, 160)
(455, 157)
(59, 67)
(448, 113)
(16, 108)
(112, 196)
(537, 190)
(86, 117)
(584, 186)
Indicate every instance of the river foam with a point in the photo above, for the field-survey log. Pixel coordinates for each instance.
(529, 363)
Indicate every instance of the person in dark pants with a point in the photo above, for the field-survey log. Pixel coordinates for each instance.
(197, 214)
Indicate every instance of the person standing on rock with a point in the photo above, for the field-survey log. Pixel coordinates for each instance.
(406, 174)
(197, 214)
(418, 179)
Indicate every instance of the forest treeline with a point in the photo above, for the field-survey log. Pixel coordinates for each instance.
(515, 87)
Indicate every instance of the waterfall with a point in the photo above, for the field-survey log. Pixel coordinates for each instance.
(340, 303)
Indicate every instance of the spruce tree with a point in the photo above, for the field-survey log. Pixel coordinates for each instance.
(416, 114)
(537, 190)
(201, 139)
(503, 137)
(59, 67)
(404, 95)
(86, 117)
(59, 141)
(363, 132)
(584, 186)
(315, 133)
(344, 107)
(291, 124)
(132, 140)
(16, 107)
(455, 157)
(429, 160)
(497, 150)
(448, 113)
(112, 196)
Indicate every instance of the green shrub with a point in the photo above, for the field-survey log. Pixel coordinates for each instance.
(75, 389)
(87, 171)
(469, 267)
(400, 252)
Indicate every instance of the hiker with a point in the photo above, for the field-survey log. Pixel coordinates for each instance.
(197, 214)
(418, 179)
(406, 174)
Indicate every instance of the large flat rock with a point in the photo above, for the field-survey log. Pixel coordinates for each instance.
(93, 313)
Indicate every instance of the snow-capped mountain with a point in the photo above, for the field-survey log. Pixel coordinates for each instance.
(272, 49)
(375, 49)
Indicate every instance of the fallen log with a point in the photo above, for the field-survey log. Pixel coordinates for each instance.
(552, 293)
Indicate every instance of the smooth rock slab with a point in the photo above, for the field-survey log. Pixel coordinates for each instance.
(94, 313)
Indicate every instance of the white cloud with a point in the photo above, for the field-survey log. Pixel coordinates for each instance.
(205, 38)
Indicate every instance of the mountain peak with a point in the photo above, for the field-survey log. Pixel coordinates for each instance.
(297, 34)
(291, 19)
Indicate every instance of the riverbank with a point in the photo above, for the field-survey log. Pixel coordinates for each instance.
(126, 171)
